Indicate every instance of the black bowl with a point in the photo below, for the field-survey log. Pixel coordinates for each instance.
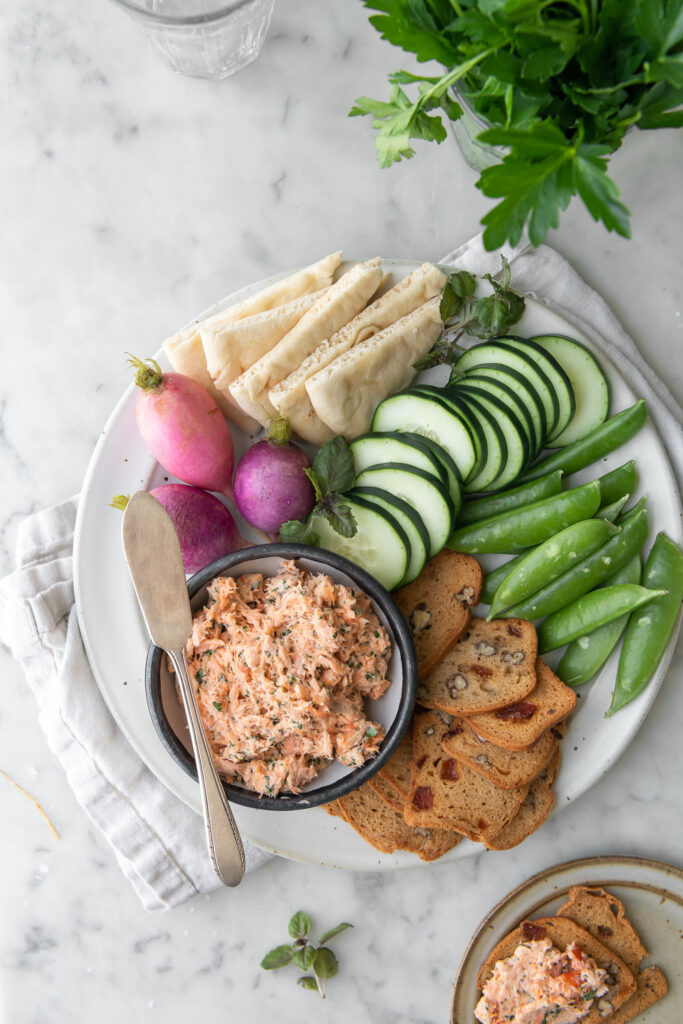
(396, 707)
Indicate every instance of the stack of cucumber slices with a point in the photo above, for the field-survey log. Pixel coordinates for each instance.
(428, 445)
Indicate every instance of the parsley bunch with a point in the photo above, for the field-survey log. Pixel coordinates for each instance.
(560, 83)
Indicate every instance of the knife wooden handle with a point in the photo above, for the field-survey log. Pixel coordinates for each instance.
(223, 838)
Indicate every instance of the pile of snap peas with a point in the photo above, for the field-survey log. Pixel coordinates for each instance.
(579, 569)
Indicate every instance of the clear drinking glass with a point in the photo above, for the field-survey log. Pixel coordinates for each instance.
(465, 130)
(204, 38)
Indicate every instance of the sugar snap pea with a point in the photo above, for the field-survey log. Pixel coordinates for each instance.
(647, 635)
(611, 512)
(493, 504)
(606, 438)
(537, 568)
(631, 513)
(590, 611)
(592, 571)
(494, 579)
(531, 524)
(622, 480)
(586, 655)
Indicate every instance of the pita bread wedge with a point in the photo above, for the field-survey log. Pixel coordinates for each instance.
(233, 347)
(186, 352)
(336, 307)
(346, 393)
(290, 397)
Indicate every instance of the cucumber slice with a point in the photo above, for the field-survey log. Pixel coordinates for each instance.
(427, 496)
(459, 409)
(422, 414)
(591, 387)
(507, 355)
(380, 544)
(451, 470)
(557, 377)
(517, 442)
(496, 445)
(516, 408)
(392, 446)
(408, 518)
(522, 388)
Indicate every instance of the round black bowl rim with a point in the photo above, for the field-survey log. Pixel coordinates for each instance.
(408, 683)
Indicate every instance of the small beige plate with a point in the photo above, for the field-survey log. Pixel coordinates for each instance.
(651, 892)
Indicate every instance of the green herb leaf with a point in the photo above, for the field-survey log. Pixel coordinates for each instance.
(326, 936)
(218, 706)
(559, 83)
(299, 925)
(339, 515)
(308, 982)
(333, 468)
(325, 967)
(305, 957)
(296, 532)
(278, 957)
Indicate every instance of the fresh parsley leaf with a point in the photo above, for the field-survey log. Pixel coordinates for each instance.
(558, 83)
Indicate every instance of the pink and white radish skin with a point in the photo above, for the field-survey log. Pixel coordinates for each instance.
(183, 428)
(271, 485)
(205, 528)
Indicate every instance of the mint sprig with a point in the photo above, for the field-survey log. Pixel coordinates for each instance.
(490, 316)
(306, 954)
(332, 473)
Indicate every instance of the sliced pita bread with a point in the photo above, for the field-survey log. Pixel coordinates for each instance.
(233, 347)
(290, 397)
(186, 352)
(346, 393)
(335, 308)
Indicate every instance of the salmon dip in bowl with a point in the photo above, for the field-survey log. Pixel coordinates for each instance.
(304, 675)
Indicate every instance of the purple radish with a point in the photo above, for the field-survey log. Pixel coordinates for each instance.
(205, 528)
(183, 428)
(271, 485)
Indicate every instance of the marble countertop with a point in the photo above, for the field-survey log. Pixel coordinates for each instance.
(131, 199)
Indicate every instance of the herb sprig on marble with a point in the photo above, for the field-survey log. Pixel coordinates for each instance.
(559, 84)
(306, 954)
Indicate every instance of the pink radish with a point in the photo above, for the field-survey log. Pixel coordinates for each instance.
(271, 485)
(183, 427)
(205, 528)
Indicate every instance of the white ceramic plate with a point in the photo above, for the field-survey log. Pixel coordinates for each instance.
(652, 894)
(116, 641)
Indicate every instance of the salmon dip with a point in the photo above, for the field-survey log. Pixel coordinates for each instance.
(282, 666)
(540, 984)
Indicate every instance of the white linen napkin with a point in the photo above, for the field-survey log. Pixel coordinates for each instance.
(158, 841)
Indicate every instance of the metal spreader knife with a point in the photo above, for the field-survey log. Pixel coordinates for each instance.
(156, 566)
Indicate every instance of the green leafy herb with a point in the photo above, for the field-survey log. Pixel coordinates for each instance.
(307, 955)
(119, 501)
(462, 313)
(559, 84)
(332, 473)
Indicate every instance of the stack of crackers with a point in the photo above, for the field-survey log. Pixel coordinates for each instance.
(484, 749)
(596, 920)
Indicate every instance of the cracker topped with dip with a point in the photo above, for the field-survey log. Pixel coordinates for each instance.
(282, 666)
